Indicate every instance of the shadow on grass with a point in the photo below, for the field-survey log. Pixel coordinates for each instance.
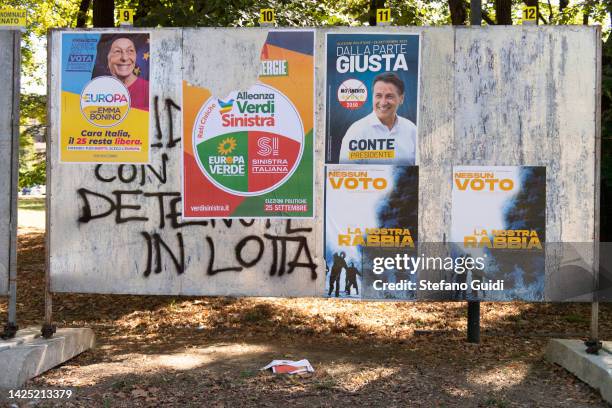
(31, 203)
(166, 317)
(365, 353)
(431, 372)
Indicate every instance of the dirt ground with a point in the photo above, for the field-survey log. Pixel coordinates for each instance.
(206, 352)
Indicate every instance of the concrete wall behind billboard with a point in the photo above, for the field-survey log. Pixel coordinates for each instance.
(493, 96)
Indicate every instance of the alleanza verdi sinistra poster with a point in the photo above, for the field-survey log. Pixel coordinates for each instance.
(250, 153)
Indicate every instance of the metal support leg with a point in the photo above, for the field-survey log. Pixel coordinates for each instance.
(476, 12)
(473, 324)
(593, 344)
(11, 327)
(48, 328)
(10, 330)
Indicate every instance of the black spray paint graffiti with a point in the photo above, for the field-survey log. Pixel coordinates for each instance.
(289, 251)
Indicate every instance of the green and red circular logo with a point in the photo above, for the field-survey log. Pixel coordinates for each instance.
(251, 142)
(105, 101)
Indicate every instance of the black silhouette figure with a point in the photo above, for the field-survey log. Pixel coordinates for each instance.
(351, 279)
(334, 277)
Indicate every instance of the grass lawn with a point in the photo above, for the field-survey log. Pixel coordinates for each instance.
(155, 351)
(31, 203)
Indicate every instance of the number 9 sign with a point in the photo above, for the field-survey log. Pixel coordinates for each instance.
(126, 17)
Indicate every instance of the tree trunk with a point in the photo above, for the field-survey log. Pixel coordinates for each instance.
(458, 12)
(503, 12)
(103, 13)
(143, 10)
(82, 14)
(586, 12)
(374, 4)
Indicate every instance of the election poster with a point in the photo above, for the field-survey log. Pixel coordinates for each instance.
(250, 153)
(372, 98)
(499, 216)
(104, 100)
(368, 209)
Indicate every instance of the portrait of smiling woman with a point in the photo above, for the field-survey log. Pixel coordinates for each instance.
(126, 57)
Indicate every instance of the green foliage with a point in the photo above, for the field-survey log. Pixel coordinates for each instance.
(42, 15)
(233, 13)
(33, 107)
(575, 12)
(34, 171)
(245, 13)
(32, 121)
(597, 11)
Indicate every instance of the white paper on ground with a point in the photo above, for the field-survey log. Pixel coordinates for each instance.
(289, 367)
